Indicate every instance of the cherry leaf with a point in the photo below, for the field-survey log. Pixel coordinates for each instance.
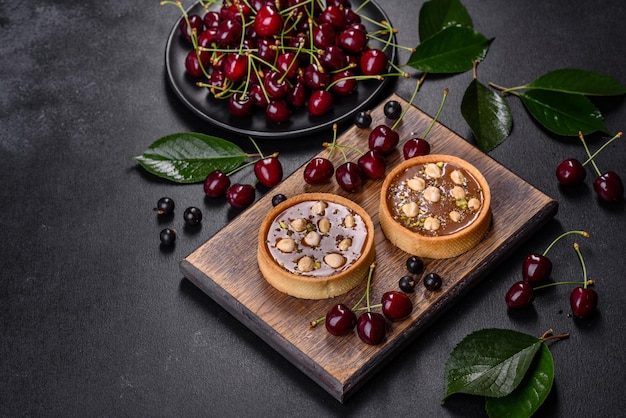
(189, 157)
(575, 81)
(524, 401)
(488, 115)
(490, 362)
(562, 113)
(436, 15)
(451, 50)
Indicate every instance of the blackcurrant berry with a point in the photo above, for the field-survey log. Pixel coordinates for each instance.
(392, 109)
(279, 198)
(165, 206)
(432, 281)
(363, 119)
(192, 216)
(414, 264)
(407, 284)
(168, 236)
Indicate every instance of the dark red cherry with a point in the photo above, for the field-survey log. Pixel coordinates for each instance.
(212, 19)
(340, 320)
(269, 171)
(536, 268)
(240, 196)
(349, 176)
(373, 62)
(235, 66)
(195, 24)
(396, 305)
(384, 139)
(320, 102)
(240, 106)
(268, 21)
(298, 95)
(583, 302)
(315, 77)
(570, 172)
(414, 147)
(257, 93)
(609, 187)
(277, 111)
(334, 58)
(371, 328)
(343, 84)
(216, 183)
(323, 35)
(520, 295)
(319, 170)
(287, 64)
(334, 16)
(372, 164)
(229, 32)
(276, 85)
(353, 41)
(193, 65)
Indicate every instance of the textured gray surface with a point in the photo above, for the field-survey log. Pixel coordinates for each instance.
(96, 320)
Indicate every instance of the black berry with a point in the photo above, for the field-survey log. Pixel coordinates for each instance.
(168, 236)
(414, 265)
(165, 206)
(192, 216)
(407, 284)
(432, 281)
(279, 198)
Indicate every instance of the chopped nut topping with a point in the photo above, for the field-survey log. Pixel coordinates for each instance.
(298, 225)
(312, 239)
(306, 264)
(286, 245)
(345, 244)
(334, 260)
(410, 209)
(432, 170)
(417, 184)
(323, 225)
(431, 223)
(432, 194)
(458, 192)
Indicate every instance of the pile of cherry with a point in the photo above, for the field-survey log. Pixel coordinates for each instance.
(536, 271)
(280, 56)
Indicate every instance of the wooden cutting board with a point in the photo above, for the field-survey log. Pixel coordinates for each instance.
(225, 267)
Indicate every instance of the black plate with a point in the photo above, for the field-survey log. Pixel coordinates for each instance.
(215, 111)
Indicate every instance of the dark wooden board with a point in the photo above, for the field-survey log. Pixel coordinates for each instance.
(225, 266)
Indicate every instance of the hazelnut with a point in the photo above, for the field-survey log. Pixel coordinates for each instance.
(455, 216)
(432, 170)
(432, 194)
(334, 260)
(312, 239)
(431, 223)
(319, 208)
(349, 221)
(416, 184)
(306, 264)
(323, 225)
(458, 192)
(457, 177)
(345, 244)
(473, 204)
(298, 224)
(286, 245)
(410, 209)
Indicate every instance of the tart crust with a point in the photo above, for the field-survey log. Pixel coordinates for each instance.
(303, 285)
(433, 245)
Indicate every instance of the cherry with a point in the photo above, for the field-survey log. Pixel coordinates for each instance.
(228, 32)
(372, 164)
(349, 176)
(216, 184)
(323, 35)
(320, 102)
(609, 187)
(396, 305)
(195, 24)
(371, 328)
(236, 67)
(334, 58)
(165, 206)
(193, 65)
(315, 77)
(269, 171)
(319, 170)
(414, 264)
(212, 19)
(520, 295)
(340, 320)
(240, 196)
(414, 147)
(432, 281)
(407, 284)
(342, 83)
(167, 236)
(334, 16)
(384, 139)
(570, 172)
(240, 106)
(363, 119)
(287, 64)
(298, 95)
(392, 109)
(277, 111)
(268, 21)
(192, 216)
(275, 85)
(278, 199)
(583, 302)
(373, 62)
(353, 41)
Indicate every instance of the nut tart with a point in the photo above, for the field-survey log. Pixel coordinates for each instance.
(435, 206)
(316, 246)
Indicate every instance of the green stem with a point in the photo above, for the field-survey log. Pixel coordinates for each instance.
(589, 282)
(582, 139)
(505, 90)
(432, 123)
(591, 157)
(582, 263)
(417, 88)
(583, 233)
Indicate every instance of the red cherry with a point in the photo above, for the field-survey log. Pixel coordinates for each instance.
(320, 102)
(240, 196)
(340, 320)
(415, 147)
(334, 16)
(193, 65)
(343, 84)
(216, 183)
(609, 187)
(373, 62)
(384, 139)
(240, 106)
(315, 77)
(536, 268)
(372, 164)
(349, 176)
(236, 67)
(275, 85)
(268, 21)
(195, 23)
(570, 172)
(396, 305)
(269, 171)
(319, 170)
(583, 302)
(371, 328)
(520, 295)
(353, 41)
(323, 35)
(229, 32)
(277, 111)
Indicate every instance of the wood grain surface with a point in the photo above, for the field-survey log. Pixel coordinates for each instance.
(225, 266)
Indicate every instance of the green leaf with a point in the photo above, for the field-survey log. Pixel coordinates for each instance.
(452, 50)
(436, 15)
(488, 115)
(562, 113)
(574, 81)
(189, 157)
(524, 401)
(489, 362)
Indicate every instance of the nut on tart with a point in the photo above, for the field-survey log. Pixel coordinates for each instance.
(435, 206)
(316, 246)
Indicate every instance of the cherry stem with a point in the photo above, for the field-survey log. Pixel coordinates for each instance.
(591, 157)
(420, 81)
(548, 335)
(589, 282)
(582, 139)
(432, 123)
(367, 288)
(583, 233)
(582, 263)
